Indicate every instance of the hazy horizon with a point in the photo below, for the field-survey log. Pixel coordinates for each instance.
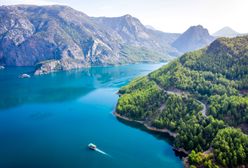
(173, 16)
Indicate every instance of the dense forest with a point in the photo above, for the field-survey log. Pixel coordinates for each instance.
(230, 148)
(233, 109)
(202, 97)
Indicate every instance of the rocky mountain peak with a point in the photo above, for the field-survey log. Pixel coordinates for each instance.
(198, 30)
(127, 16)
(193, 38)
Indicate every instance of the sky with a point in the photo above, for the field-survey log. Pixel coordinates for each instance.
(166, 15)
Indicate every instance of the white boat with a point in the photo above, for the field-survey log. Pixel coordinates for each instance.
(1, 67)
(24, 76)
(92, 146)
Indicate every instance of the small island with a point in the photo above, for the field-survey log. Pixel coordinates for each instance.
(201, 99)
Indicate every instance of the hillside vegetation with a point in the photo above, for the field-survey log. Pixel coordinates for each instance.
(202, 97)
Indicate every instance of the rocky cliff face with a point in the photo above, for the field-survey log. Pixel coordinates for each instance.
(32, 34)
(61, 38)
(194, 38)
(132, 31)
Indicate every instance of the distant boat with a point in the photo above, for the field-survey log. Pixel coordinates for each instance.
(92, 146)
(24, 76)
(1, 67)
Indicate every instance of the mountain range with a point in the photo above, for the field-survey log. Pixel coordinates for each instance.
(56, 37)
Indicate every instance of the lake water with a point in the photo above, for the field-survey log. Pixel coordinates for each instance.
(48, 121)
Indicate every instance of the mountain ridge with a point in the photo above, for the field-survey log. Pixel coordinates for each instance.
(56, 37)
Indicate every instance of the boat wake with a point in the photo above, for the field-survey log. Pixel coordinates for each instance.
(102, 152)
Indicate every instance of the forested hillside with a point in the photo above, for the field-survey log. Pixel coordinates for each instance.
(202, 97)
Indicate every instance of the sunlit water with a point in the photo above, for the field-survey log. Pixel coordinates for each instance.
(48, 121)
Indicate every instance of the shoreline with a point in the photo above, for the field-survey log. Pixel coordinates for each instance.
(150, 128)
(153, 129)
(82, 67)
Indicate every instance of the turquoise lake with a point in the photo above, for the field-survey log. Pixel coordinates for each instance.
(48, 121)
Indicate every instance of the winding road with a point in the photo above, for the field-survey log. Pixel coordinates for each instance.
(182, 93)
(204, 110)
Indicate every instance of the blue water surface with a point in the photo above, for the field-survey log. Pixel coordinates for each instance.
(48, 121)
